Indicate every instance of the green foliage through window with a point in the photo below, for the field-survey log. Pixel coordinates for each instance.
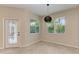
(34, 26)
(57, 25)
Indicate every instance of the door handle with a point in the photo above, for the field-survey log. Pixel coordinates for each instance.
(18, 33)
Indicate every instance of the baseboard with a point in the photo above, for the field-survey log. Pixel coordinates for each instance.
(62, 44)
(26, 44)
(31, 43)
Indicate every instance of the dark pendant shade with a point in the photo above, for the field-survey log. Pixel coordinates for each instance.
(47, 19)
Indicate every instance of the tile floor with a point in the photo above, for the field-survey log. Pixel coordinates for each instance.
(41, 48)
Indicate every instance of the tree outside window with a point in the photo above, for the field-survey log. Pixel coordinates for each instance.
(57, 25)
(34, 26)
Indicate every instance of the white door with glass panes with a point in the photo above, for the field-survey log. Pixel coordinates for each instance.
(11, 33)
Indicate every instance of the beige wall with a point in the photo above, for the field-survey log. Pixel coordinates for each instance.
(23, 16)
(29, 38)
(69, 38)
(71, 35)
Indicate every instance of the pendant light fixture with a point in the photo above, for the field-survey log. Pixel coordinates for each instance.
(47, 18)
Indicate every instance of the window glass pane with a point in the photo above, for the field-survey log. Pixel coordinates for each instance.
(37, 27)
(34, 26)
(62, 25)
(57, 25)
(51, 27)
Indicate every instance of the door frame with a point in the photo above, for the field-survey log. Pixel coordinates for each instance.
(4, 32)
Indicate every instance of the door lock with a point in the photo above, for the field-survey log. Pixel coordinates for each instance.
(18, 33)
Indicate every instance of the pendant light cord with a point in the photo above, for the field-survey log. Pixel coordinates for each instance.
(47, 7)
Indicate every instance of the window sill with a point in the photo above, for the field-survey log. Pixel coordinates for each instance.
(55, 33)
(34, 33)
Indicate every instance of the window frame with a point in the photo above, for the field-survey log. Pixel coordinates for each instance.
(55, 27)
(35, 29)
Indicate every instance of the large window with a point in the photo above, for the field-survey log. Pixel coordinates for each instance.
(34, 26)
(57, 25)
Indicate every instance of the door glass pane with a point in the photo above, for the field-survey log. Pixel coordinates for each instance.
(12, 37)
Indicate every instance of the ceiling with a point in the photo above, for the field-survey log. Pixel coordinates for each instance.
(43, 9)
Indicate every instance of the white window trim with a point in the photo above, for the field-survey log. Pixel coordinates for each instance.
(35, 29)
(54, 28)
